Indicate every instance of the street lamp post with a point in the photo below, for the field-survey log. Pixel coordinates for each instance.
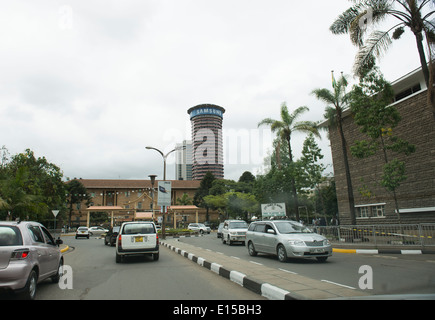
(165, 156)
(153, 179)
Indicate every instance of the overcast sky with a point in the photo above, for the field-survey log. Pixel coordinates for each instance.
(88, 84)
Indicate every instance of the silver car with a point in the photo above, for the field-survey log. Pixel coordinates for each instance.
(28, 255)
(286, 239)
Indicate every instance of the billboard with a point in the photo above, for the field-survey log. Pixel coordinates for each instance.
(273, 210)
(164, 193)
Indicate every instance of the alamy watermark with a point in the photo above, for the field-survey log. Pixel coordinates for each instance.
(366, 280)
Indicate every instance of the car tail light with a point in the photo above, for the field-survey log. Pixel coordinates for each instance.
(20, 254)
(119, 240)
(157, 239)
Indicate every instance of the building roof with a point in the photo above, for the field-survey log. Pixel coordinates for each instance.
(138, 184)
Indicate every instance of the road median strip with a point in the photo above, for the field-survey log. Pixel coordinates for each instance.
(270, 283)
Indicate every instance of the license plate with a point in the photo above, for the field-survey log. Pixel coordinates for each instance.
(318, 250)
(138, 239)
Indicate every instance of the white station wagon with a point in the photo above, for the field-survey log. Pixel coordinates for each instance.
(137, 238)
(286, 239)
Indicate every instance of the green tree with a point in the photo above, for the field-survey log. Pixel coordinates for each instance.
(310, 168)
(337, 101)
(413, 15)
(185, 200)
(284, 128)
(76, 194)
(203, 191)
(31, 187)
(377, 119)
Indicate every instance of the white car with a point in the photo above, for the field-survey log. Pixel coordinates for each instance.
(202, 228)
(97, 231)
(82, 232)
(137, 238)
(234, 231)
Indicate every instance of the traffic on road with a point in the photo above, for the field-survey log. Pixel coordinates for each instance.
(90, 268)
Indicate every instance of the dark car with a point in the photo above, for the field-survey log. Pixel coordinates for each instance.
(110, 237)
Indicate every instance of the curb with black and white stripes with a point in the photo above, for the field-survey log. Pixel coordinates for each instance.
(266, 290)
(383, 251)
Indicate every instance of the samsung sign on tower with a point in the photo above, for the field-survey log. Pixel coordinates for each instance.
(206, 111)
(273, 210)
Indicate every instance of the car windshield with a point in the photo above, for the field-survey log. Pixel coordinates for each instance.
(138, 228)
(291, 227)
(238, 225)
(10, 236)
(82, 229)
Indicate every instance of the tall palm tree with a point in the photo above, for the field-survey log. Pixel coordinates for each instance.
(415, 15)
(337, 101)
(284, 129)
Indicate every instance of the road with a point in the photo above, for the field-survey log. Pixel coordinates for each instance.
(95, 275)
(392, 274)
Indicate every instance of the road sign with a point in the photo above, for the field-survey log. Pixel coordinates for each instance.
(273, 210)
(55, 212)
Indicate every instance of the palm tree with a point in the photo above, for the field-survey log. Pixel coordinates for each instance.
(337, 101)
(284, 129)
(411, 14)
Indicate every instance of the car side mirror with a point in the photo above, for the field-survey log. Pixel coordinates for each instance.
(271, 231)
(59, 241)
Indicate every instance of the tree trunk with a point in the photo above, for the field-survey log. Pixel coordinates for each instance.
(293, 183)
(347, 170)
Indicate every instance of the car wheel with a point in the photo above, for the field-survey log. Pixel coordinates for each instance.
(223, 240)
(282, 254)
(251, 249)
(58, 275)
(29, 292)
(118, 258)
(229, 242)
(201, 232)
(156, 256)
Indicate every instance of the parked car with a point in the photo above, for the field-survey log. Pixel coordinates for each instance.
(97, 231)
(219, 230)
(110, 237)
(138, 237)
(200, 227)
(285, 239)
(28, 255)
(234, 231)
(82, 232)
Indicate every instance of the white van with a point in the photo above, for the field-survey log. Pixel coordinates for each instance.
(139, 237)
(234, 231)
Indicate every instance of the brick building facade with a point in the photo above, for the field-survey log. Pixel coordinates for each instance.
(133, 201)
(416, 195)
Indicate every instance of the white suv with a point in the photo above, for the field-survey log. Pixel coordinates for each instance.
(135, 238)
(234, 231)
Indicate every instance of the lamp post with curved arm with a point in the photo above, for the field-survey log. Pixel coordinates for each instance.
(165, 156)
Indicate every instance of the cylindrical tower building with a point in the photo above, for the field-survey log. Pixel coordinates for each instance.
(206, 120)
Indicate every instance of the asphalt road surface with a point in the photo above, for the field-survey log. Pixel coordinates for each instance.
(392, 274)
(95, 275)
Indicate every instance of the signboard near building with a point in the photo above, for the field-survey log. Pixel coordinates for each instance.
(164, 193)
(273, 210)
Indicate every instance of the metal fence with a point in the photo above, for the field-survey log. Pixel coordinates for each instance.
(412, 235)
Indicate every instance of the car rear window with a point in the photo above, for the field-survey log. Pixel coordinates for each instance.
(10, 236)
(138, 228)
